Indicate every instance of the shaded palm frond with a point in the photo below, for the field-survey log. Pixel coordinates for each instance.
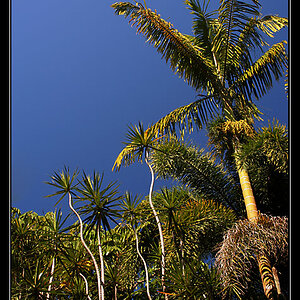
(200, 281)
(234, 15)
(270, 142)
(243, 243)
(192, 167)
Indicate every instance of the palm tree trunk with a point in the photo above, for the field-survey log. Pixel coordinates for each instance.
(264, 264)
(252, 212)
(266, 274)
(86, 247)
(101, 262)
(162, 244)
(144, 262)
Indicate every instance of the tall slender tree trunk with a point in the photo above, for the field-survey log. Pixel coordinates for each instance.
(162, 244)
(264, 264)
(86, 286)
(101, 262)
(144, 262)
(86, 247)
(51, 278)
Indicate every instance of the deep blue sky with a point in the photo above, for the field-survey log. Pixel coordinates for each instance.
(80, 75)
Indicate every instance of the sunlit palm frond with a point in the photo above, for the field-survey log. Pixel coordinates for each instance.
(185, 58)
(258, 78)
(64, 181)
(271, 23)
(187, 117)
(138, 141)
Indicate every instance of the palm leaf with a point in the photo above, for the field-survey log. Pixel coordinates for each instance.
(64, 182)
(271, 23)
(233, 15)
(185, 117)
(199, 171)
(185, 58)
(257, 79)
(138, 142)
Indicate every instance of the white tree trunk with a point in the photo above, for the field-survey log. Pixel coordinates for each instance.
(144, 262)
(101, 262)
(86, 286)
(86, 247)
(162, 244)
(51, 278)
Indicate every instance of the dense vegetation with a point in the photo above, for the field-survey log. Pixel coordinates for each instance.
(221, 231)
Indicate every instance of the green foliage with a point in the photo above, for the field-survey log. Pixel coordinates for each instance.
(49, 261)
(192, 167)
(197, 280)
(138, 142)
(217, 60)
(266, 158)
(64, 181)
(100, 201)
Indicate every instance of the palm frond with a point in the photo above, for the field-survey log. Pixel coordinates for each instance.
(137, 143)
(199, 171)
(234, 15)
(186, 59)
(187, 116)
(257, 79)
(101, 200)
(64, 181)
(271, 23)
(270, 142)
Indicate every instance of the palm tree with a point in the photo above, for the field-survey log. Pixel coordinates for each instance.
(190, 166)
(218, 60)
(64, 181)
(236, 133)
(53, 239)
(138, 145)
(99, 209)
(130, 214)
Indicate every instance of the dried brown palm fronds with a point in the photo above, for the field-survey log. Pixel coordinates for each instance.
(236, 258)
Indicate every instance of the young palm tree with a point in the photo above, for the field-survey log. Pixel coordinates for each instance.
(129, 213)
(138, 145)
(53, 240)
(99, 209)
(65, 184)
